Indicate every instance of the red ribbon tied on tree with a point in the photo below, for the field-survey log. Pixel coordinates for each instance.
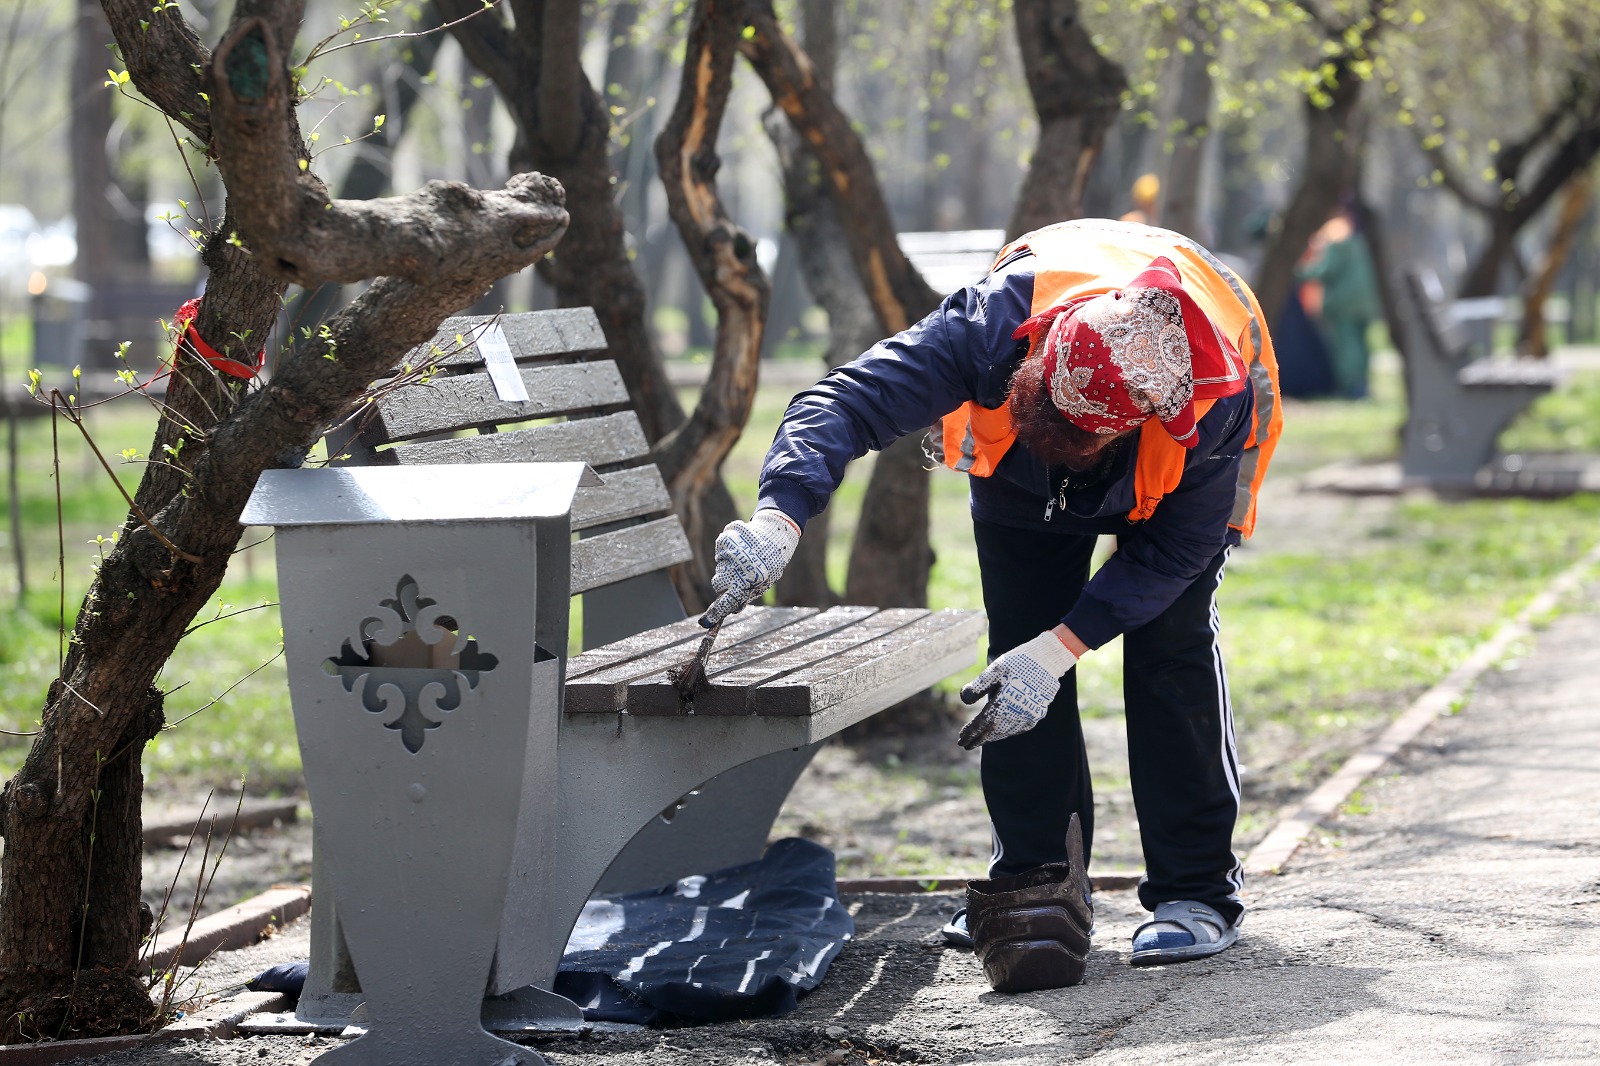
(184, 319)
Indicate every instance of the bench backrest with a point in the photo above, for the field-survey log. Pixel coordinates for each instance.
(577, 410)
(1422, 289)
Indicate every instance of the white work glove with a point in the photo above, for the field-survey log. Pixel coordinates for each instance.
(1020, 685)
(750, 558)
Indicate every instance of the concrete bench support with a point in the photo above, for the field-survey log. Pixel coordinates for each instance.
(1459, 403)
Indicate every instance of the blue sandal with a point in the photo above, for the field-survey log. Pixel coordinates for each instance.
(1201, 933)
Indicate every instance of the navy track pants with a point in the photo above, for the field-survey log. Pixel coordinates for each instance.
(1181, 754)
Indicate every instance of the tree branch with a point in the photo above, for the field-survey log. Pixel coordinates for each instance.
(491, 46)
(723, 255)
(301, 235)
(165, 58)
(1452, 179)
(898, 293)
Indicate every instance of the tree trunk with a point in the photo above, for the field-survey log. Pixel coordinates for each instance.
(70, 919)
(1077, 93)
(725, 258)
(892, 536)
(1335, 135)
(564, 131)
(1574, 206)
(91, 168)
(1180, 208)
(812, 221)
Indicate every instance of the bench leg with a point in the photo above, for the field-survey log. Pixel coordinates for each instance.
(726, 823)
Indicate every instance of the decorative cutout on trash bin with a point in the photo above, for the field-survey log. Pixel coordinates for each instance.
(412, 654)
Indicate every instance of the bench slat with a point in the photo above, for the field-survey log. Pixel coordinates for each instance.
(1501, 373)
(637, 646)
(626, 494)
(531, 335)
(605, 691)
(613, 557)
(819, 652)
(599, 442)
(876, 663)
(448, 404)
(656, 694)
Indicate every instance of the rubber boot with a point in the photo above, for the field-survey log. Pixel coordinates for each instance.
(1031, 930)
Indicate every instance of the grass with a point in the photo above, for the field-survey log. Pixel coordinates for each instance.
(1327, 633)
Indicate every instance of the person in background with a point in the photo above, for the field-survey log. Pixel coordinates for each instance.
(1344, 299)
(1105, 377)
(1146, 194)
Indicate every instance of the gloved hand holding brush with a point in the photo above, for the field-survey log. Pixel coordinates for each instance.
(750, 559)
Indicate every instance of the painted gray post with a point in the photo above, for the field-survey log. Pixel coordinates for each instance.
(424, 614)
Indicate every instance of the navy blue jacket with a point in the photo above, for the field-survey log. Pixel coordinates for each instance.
(964, 351)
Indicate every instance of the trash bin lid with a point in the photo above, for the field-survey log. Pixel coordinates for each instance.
(362, 495)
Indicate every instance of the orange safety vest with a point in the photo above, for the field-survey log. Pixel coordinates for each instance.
(1086, 257)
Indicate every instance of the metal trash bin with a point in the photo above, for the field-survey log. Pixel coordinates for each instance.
(425, 627)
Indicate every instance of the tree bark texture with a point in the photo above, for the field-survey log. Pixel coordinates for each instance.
(1574, 207)
(564, 131)
(369, 174)
(725, 258)
(69, 876)
(890, 555)
(91, 167)
(1180, 208)
(812, 220)
(1077, 93)
(1335, 138)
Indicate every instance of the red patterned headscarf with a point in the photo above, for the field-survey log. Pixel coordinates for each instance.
(1115, 360)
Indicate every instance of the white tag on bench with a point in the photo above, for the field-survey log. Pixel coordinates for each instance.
(502, 368)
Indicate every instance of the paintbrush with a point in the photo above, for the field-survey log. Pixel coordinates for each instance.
(685, 676)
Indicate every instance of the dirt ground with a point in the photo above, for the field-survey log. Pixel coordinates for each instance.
(1452, 917)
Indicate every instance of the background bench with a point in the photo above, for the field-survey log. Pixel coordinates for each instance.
(1460, 397)
(651, 787)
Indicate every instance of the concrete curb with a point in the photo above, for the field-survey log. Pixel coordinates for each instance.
(1292, 828)
(1107, 882)
(219, 1021)
(66, 1050)
(176, 831)
(237, 927)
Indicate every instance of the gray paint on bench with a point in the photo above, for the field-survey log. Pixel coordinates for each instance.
(600, 442)
(563, 332)
(458, 403)
(629, 552)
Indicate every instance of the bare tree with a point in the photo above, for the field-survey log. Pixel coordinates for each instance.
(565, 131)
(1077, 92)
(70, 917)
(1335, 138)
(725, 258)
(891, 557)
(1191, 125)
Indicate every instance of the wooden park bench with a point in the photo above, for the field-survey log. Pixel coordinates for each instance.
(649, 787)
(1461, 398)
